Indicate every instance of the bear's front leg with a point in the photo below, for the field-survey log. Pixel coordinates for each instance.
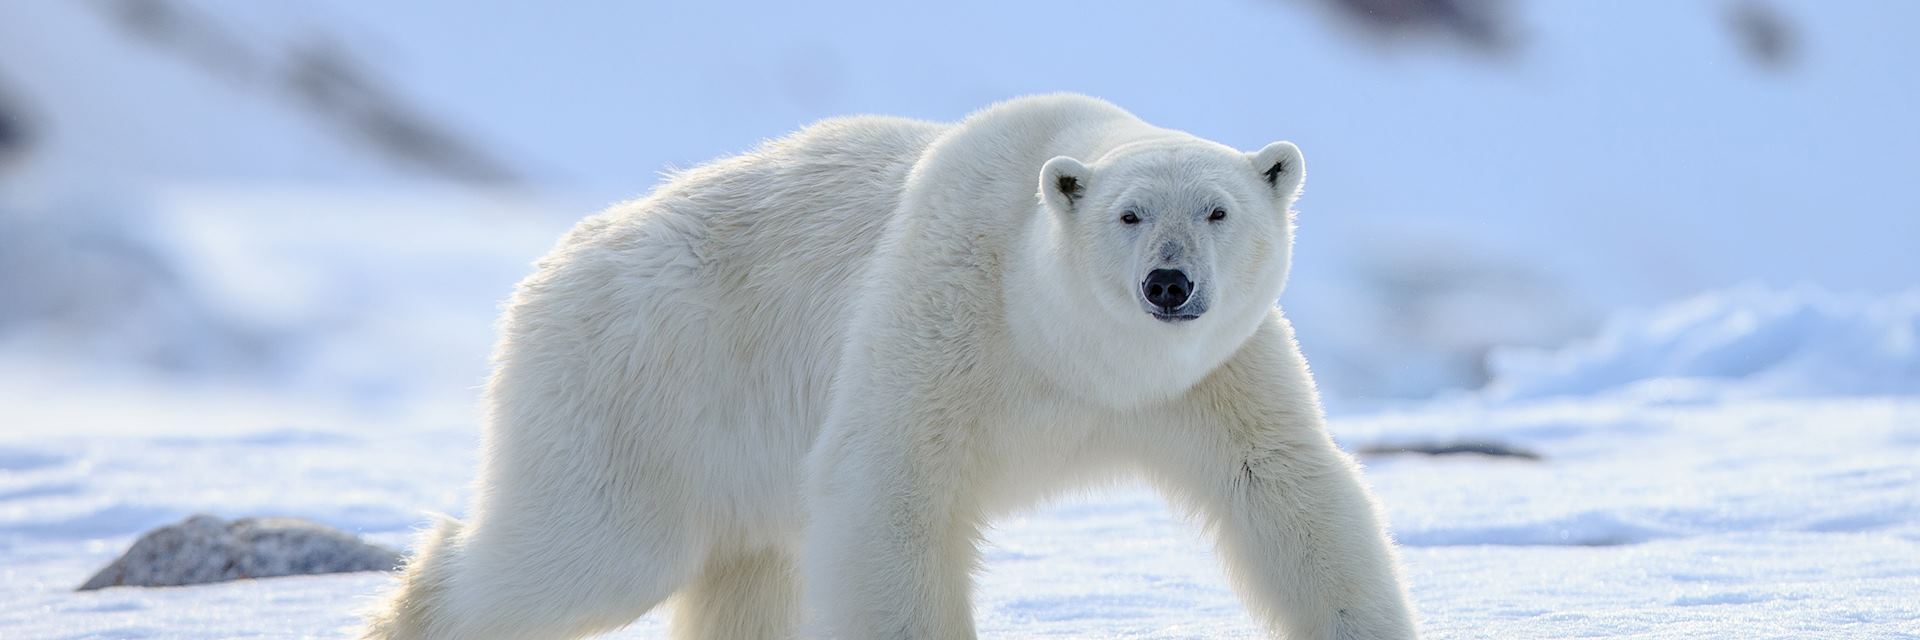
(891, 542)
(1300, 534)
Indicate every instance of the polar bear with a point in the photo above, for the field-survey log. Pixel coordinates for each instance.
(803, 379)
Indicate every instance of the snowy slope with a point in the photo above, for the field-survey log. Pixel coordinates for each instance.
(1799, 342)
(1624, 154)
(121, 96)
(123, 102)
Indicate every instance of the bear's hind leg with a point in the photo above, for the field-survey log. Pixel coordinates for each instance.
(752, 595)
(515, 582)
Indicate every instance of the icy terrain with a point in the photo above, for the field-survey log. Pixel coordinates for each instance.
(1676, 498)
(1686, 283)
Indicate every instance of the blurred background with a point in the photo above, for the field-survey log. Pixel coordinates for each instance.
(332, 198)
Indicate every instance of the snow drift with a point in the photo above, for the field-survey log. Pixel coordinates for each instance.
(1794, 342)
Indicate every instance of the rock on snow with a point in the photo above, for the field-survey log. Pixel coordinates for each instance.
(205, 549)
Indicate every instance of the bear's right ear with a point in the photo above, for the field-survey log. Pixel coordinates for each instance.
(1063, 181)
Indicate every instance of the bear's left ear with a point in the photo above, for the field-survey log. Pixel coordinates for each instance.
(1281, 168)
(1063, 181)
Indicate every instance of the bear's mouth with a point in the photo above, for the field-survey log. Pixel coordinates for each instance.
(1173, 316)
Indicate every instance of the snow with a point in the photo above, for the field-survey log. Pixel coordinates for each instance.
(1680, 515)
(1453, 205)
(1805, 342)
(1456, 204)
(1686, 283)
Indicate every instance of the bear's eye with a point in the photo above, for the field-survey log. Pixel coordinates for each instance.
(1217, 215)
(1129, 218)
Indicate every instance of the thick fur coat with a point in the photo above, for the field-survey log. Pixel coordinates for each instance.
(788, 389)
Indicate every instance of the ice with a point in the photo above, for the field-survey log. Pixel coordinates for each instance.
(210, 302)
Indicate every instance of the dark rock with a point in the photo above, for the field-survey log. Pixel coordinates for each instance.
(206, 549)
(1457, 447)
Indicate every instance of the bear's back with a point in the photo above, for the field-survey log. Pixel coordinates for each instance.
(752, 251)
(792, 223)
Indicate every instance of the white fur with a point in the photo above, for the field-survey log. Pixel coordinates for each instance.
(882, 319)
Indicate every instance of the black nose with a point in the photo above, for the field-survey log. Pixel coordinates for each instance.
(1167, 288)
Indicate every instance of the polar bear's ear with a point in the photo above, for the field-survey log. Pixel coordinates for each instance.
(1063, 181)
(1281, 167)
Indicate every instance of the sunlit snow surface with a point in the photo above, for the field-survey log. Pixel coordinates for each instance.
(1738, 464)
(1657, 512)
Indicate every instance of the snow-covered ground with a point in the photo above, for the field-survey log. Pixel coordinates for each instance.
(1680, 494)
(1684, 280)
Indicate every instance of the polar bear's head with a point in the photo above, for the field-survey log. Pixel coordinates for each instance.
(1178, 233)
